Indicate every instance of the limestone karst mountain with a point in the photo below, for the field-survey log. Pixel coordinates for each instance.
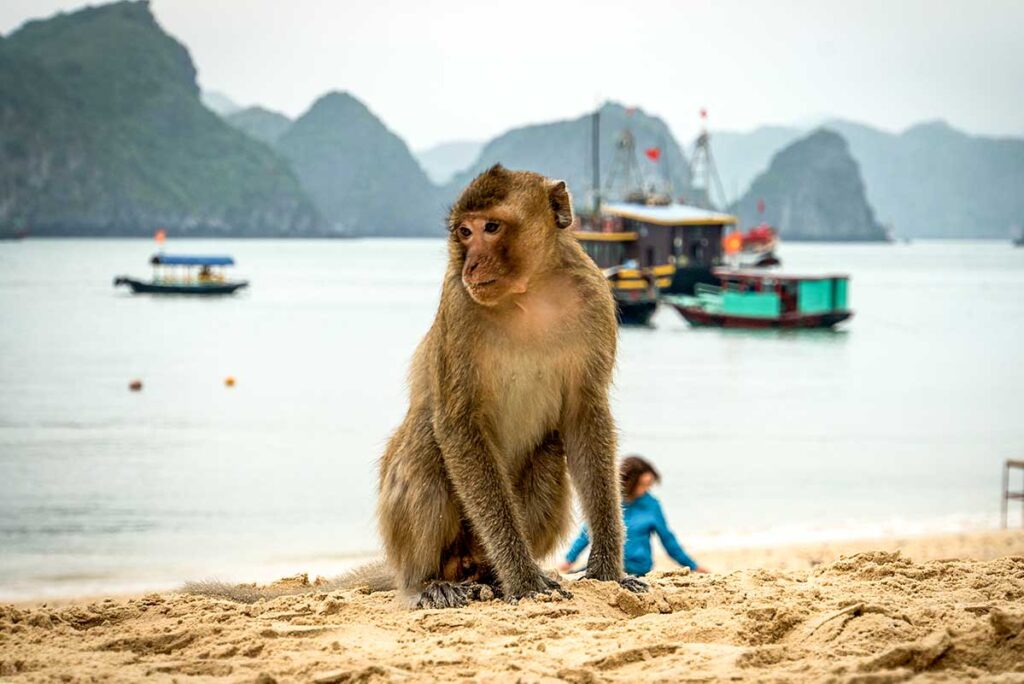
(104, 134)
(362, 176)
(812, 190)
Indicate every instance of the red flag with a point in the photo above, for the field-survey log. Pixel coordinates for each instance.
(760, 206)
(653, 153)
(703, 113)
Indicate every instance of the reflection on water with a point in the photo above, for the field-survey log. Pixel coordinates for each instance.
(898, 422)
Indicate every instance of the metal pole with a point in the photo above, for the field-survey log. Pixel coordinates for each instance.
(1006, 489)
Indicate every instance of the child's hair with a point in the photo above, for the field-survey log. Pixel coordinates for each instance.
(630, 470)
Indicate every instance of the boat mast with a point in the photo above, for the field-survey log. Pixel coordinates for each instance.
(703, 170)
(625, 162)
(666, 170)
(595, 158)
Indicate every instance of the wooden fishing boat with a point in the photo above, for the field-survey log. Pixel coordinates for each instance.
(650, 249)
(174, 274)
(636, 294)
(752, 299)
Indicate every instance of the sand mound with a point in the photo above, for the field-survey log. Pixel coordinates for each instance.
(871, 617)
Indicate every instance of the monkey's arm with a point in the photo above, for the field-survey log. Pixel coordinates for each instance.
(487, 500)
(589, 437)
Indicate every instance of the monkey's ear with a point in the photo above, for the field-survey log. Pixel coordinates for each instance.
(561, 204)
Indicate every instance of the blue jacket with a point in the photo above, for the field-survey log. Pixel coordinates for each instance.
(643, 517)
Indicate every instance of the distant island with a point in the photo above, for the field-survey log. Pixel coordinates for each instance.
(930, 181)
(812, 190)
(107, 133)
(104, 134)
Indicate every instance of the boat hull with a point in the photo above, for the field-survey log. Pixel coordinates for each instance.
(636, 312)
(697, 316)
(204, 290)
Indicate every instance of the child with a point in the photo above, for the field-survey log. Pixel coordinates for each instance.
(643, 517)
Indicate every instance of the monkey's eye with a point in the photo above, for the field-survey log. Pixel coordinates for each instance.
(491, 227)
(464, 231)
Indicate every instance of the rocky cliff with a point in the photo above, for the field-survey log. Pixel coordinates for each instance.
(102, 132)
(812, 190)
(929, 181)
(361, 175)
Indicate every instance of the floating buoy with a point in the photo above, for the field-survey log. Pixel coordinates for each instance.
(135, 385)
(229, 381)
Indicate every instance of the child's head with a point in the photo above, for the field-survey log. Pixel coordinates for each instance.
(637, 476)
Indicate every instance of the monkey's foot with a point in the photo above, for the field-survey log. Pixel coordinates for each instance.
(454, 594)
(444, 595)
(634, 584)
(544, 585)
(483, 592)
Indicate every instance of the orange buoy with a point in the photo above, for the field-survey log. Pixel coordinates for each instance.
(229, 381)
(135, 385)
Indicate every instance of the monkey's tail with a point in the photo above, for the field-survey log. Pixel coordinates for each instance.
(375, 576)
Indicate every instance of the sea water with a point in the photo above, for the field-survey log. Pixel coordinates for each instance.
(896, 423)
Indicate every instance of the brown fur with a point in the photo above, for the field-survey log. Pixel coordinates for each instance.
(508, 400)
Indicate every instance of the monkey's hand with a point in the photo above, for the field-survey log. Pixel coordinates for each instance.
(634, 584)
(541, 584)
(629, 582)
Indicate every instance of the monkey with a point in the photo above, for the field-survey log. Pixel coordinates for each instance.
(508, 403)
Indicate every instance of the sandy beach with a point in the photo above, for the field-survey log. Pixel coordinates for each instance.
(945, 607)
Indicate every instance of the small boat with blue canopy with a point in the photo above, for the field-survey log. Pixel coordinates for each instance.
(185, 274)
(758, 299)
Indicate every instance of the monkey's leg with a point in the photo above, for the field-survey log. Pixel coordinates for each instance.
(589, 436)
(418, 516)
(488, 502)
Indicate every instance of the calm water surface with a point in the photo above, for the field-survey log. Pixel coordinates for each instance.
(898, 423)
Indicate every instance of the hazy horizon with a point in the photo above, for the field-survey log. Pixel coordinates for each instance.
(794, 63)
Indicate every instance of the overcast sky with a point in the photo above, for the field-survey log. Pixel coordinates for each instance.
(453, 69)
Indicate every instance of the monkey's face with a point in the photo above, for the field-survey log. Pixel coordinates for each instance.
(489, 269)
(504, 228)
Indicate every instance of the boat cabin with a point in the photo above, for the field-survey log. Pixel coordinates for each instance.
(679, 244)
(750, 293)
(189, 268)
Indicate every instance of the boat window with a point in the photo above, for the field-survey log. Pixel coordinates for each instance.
(605, 254)
(789, 296)
(698, 250)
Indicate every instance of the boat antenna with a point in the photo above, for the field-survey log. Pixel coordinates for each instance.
(703, 171)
